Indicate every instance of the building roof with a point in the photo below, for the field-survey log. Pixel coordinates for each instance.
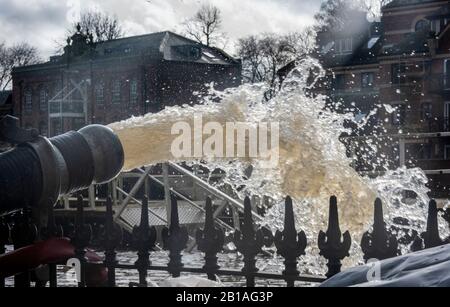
(367, 45)
(166, 46)
(5, 97)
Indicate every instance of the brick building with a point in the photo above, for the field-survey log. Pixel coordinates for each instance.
(398, 70)
(114, 80)
(6, 108)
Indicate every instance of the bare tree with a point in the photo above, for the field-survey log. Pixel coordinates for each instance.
(252, 58)
(18, 55)
(205, 26)
(262, 56)
(334, 14)
(373, 7)
(102, 26)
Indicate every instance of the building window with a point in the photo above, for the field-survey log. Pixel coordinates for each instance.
(133, 92)
(447, 74)
(427, 111)
(116, 91)
(425, 152)
(348, 45)
(436, 26)
(398, 73)
(28, 100)
(99, 94)
(447, 152)
(423, 25)
(78, 123)
(43, 129)
(43, 99)
(367, 80)
(339, 82)
(398, 116)
(56, 127)
(344, 45)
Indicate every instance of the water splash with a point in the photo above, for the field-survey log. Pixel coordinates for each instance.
(313, 162)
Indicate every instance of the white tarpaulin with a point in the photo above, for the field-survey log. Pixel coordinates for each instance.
(428, 268)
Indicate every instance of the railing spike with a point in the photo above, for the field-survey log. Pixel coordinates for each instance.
(112, 238)
(175, 239)
(431, 237)
(290, 244)
(248, 229)
(379, 244)
(4, 240)
(82, 237)
(333, 245)
(250, 242)
(209, 218)
(289, 220)
(174, 217)
(210, 240)
(144, 239)
(378, 222)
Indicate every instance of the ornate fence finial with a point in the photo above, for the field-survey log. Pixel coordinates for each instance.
(82, 238)
(112, 238)
(23, 233)
(52, 230)
(249, 243)
(4, 235)
(4, 240)
(144, 239)
(290, 244)
(210, 240)
(175, 239)
(379, 244)
(333, 246)
(431, 237)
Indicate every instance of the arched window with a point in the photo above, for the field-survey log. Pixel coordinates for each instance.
(43, 99)
(398, 116)
(133, 91)
(427, 111)
(99, 94)
(116, 91)
(28, 100)
(423, 25)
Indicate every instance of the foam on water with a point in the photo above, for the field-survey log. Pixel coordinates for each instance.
(313, 164)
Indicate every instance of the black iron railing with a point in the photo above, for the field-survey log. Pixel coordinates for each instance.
(290, 244)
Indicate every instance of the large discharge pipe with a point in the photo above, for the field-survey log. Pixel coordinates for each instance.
(39, 170)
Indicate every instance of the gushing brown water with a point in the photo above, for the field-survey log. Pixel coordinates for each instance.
(312, 162)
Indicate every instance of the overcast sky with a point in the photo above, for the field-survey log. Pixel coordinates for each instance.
(43, 22)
